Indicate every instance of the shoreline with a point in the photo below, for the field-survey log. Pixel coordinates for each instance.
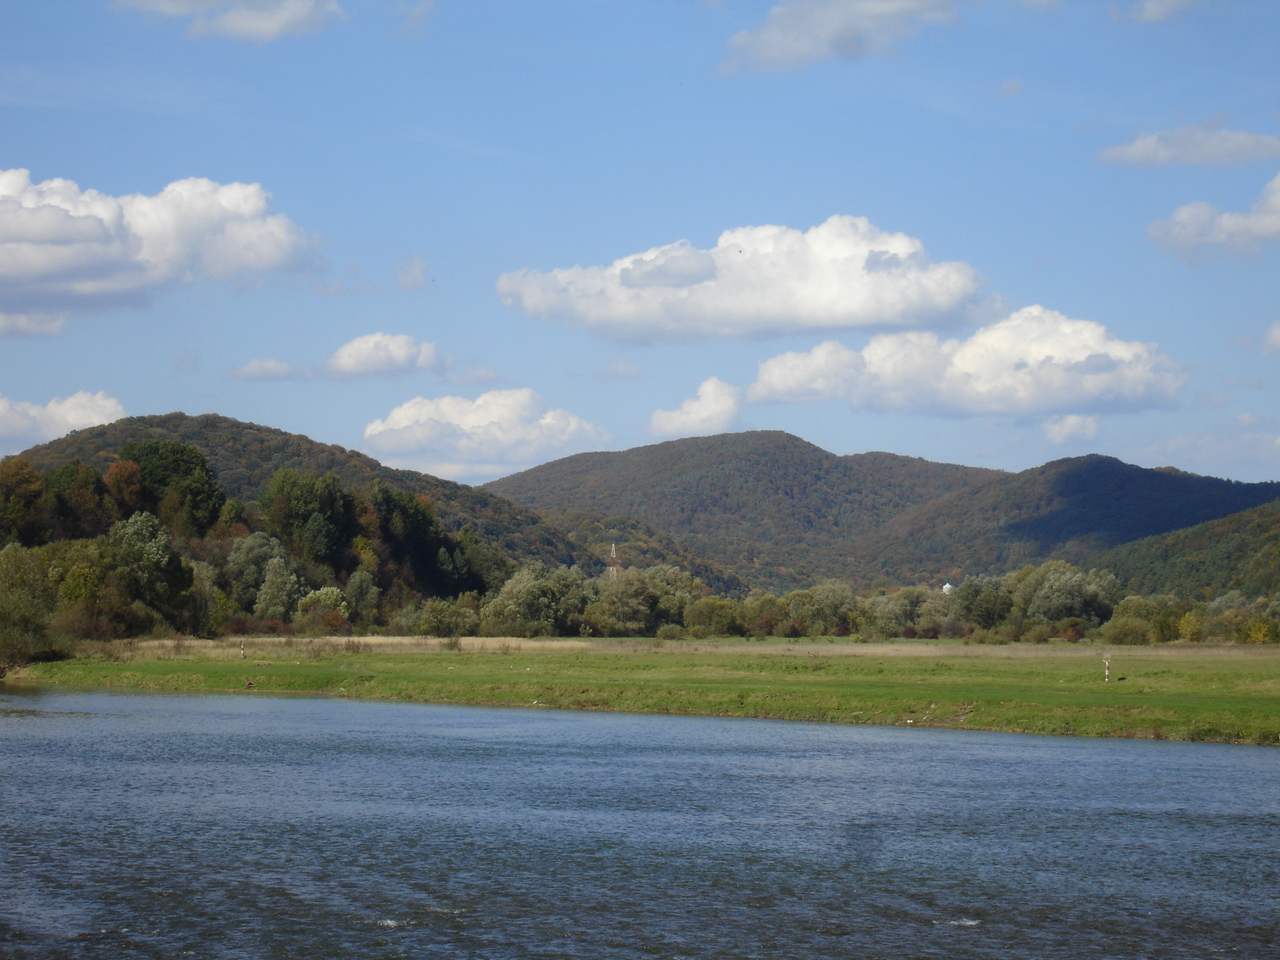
(1211, 694)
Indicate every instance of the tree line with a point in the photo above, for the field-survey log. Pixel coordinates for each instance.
(154, 546)
(1051, 600)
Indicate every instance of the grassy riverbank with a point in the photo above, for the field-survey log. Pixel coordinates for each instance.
(1176, 692)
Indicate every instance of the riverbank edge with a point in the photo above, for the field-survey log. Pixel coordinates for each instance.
(347, 677)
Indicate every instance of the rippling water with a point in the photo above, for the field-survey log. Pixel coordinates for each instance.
(243, 827)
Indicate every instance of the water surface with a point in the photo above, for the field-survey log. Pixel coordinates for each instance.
(149, 826)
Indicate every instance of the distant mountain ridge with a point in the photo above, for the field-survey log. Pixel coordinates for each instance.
(245, 455)
(780, 512)
(1236, 552)
(768, 507)
(1071, 509)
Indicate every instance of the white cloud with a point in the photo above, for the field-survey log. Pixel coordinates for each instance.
(382, 353)
(711, 410)
(1153, 11)
(1202, 224)
(1273, 337)
(1036, 361)
(499, 431)
(258, 20)
(1203, 144)
(31, 324)
(842, 273)
(1071, 426)
(59, 416)
(800, 32)
(61, 246)
(264, 369)
(412, 274)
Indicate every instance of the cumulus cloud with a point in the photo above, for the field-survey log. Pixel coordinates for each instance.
(1070, 426)
(842, 273)
(497, 432)
(264, 369)
(1034, 362)
(31, 324)
(800, 32)
(1154, 11)
(1201, 224)
(61, 246)
(60, 415)
(1204, 145)
(382, 353)
(711, 410)
(258, 20)
(412, 274)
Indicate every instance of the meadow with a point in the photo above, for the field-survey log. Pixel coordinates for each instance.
(1175, 692)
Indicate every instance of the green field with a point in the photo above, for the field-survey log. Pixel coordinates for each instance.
(1175, 692)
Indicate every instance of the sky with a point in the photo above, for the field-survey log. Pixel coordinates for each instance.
(470, 236)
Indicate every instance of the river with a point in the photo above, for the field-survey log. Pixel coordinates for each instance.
(228, 827)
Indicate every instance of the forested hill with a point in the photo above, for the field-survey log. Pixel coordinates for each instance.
(766, 506)
(1238, 552)
(1069, 509)
(639, 545)
(780, 512)
(245, 455)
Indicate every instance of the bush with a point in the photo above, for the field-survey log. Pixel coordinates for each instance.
(446, 618)
(323, 612)
(995, 637)
(405, 621)
(1191, 627)
(1261, 631)
(1038, 633)
(324, 599)
(670, 631)
(323, 622)
(1127, 631)
(712, 617)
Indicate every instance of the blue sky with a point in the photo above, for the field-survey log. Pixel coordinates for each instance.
(471, 237)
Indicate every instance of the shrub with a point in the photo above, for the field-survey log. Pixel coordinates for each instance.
(1191, 627)
(1260, 631)
(1038, 633)
(714, 616)
(446, 618)
(323, 611)
(326, 598)
(998, 637)
(1127, 631)
(405, 621)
